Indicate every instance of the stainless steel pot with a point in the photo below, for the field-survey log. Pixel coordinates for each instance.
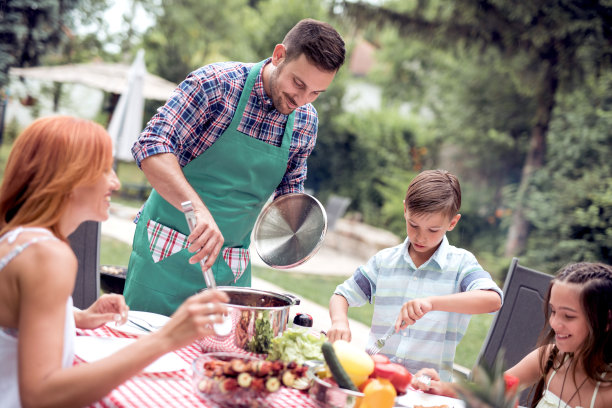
(257, 317)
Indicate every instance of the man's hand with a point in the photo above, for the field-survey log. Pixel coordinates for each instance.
(206, 239)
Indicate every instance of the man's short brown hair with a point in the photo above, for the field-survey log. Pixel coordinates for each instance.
(434, 191)
(318, 41)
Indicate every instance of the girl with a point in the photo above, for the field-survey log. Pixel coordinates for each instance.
(58, 175)
(572, 367)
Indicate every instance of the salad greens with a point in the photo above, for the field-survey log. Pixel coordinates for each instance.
(297, 345)
(260, 343)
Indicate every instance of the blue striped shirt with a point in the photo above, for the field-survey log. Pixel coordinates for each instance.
(202, 107)
(391, 279)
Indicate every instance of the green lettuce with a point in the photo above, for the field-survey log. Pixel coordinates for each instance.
(299, 345)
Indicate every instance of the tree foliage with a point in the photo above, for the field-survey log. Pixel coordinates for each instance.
(571, 200)
(30, 30)
(543, 46)
(190, 33)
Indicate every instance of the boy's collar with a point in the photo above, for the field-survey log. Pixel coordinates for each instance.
(439, 257)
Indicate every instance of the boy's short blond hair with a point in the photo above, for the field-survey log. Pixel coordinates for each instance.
(434, 191)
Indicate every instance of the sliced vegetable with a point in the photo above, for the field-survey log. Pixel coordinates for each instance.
(261, 341)
(340, 376)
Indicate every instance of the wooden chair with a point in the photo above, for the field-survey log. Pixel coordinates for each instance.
(85, 243)
(518, 323)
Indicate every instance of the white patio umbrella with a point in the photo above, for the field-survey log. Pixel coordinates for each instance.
(126, 122)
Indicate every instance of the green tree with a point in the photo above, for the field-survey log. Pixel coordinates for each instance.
(572, 195)
(190, 33)
(545, 45)
(30, 30)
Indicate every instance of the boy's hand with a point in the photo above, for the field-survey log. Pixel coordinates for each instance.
(339, 332)
(413, 311)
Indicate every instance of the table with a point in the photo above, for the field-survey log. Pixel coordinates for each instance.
(174, 389)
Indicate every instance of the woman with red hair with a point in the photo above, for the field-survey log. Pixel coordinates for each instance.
(58, 175)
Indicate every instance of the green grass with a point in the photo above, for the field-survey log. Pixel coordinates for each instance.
(316, 288)
(114, 252)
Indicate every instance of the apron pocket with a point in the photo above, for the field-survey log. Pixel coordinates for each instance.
(237, 259)
(164, 241)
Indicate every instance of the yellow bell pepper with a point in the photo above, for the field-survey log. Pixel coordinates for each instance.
(378, 393)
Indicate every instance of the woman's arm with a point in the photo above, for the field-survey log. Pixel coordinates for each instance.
(47, 282)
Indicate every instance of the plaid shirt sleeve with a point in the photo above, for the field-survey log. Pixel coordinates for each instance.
(172, 128)
(202, 107)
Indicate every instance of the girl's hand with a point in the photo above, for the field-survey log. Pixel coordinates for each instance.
(107, 308)
(428, 380)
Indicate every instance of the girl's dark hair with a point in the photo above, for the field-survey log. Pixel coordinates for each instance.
(595, 353)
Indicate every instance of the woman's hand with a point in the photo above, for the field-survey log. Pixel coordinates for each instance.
(107, 308)
(194, 319)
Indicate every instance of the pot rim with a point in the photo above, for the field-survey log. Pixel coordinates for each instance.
(288, 298)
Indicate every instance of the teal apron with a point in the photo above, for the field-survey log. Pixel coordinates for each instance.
(234, 177)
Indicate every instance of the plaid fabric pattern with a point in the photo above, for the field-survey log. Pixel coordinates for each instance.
(165, 241)
(237, 259)
(202, 107)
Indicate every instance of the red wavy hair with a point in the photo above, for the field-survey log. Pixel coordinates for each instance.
(51, 157)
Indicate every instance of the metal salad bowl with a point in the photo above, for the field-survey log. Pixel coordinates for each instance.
(327, 395)
(290, 230)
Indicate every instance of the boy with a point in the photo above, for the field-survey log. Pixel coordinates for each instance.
(426, 288)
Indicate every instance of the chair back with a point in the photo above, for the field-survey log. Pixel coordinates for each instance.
(335, 208)
(518, 323)
(85, 243)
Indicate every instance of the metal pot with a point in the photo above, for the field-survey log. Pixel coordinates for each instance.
(257, 317)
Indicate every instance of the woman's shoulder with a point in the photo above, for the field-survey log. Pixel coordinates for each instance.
(37, 249)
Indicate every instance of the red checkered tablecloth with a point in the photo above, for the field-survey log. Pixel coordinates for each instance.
(174, 389)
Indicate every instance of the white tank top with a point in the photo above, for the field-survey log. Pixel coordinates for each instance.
(9, 379)
(550, 400)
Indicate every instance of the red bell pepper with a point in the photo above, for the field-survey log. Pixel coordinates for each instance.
(399, 375)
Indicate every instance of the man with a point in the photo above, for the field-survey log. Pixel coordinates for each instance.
(229, 136)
